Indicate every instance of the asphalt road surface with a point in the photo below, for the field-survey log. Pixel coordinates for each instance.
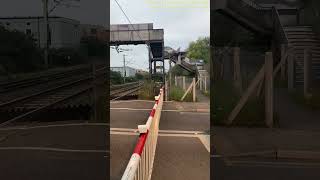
(181, 153)
(50, 152)
(262, 168)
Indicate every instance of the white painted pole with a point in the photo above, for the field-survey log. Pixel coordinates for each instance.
(194, 89)
(205, 84)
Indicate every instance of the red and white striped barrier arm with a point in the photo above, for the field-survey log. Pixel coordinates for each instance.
(141, 162)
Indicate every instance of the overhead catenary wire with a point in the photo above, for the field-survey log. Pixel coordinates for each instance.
(128, 19)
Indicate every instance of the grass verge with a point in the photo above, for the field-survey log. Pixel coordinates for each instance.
(176, 94)
(312, 102)
(225, 99)
(147, 91)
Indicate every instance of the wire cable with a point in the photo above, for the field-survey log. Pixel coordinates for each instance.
(128, 19)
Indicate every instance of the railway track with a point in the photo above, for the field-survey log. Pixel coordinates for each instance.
(19, 88)
(123, 90)
(37, 102)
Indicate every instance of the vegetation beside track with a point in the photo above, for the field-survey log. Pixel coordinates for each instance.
(176, 94)
(147, 90)
(225, 99)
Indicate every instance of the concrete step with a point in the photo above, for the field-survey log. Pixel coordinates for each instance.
(310, 45)
(302, 47)
(300, 51)
(289, 27)
(306, 33)
(302, 36)
(304, 40)
(298, 28)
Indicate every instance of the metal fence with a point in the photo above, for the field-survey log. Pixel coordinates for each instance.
(184, 82)
(141, 162)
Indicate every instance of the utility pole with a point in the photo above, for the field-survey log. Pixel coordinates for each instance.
(46, 47)
(124, 69)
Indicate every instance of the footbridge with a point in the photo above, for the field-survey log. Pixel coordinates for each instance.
(134, 34)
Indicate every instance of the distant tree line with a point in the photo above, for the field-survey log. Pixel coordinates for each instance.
(116, 77)
(18, 52)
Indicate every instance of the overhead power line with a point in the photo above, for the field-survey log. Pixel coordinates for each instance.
(128, 19)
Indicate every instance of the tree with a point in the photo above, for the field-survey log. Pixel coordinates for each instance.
(18, 52)
(199, 49)
(115, 77)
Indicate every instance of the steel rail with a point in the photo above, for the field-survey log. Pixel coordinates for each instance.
(81, 82)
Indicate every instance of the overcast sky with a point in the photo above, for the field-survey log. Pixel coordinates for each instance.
(181, 25)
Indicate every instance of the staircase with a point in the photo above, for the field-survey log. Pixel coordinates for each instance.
(185, 65)
(174, 55)
(246, 13)
(300, 38)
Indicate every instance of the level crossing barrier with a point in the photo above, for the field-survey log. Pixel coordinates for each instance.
(141, 162)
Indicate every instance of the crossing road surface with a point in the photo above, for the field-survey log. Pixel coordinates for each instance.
(262, 169)
(75, 151)
(183, 143)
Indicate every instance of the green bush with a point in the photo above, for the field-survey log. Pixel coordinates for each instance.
(176, 94)
(18, 52)
(312, 102)
(115, 77)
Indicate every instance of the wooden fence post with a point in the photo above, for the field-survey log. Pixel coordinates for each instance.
(290, 71)
(283, 65)
(194, 89)
(245, 96)
(237, 80)
(306, 72)
(184, 82)
(175, 81)
(205, 84)
(200, 83)
(170, 79)
(166, 90)
(269, 89)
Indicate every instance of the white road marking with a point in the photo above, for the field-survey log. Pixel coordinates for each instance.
(126, 101)
(123, 129)
(205, 139)
(165, 110)
(181, 132)
(54, 149)
(160, 131)
(124, 133)
(273, 164)
(197, 113)
(131, 109)
(53, 125)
